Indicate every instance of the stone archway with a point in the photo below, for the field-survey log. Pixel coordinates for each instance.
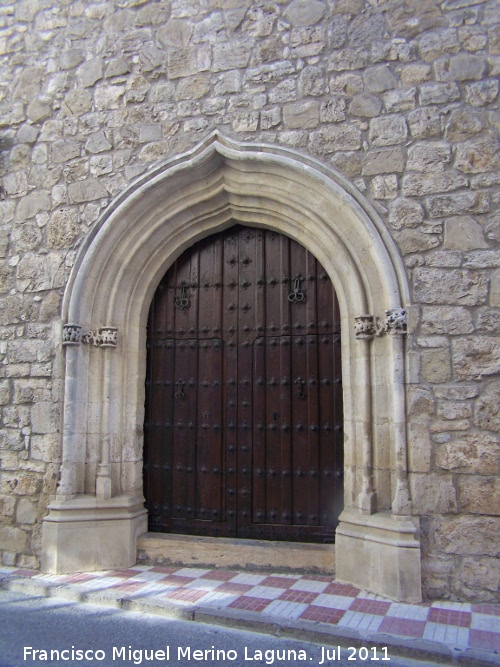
(95, 518)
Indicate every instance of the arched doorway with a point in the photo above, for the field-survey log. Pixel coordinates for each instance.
(98, 511)
(243, 427)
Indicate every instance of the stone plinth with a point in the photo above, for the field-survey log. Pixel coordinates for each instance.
(87, 534)
(379, 552)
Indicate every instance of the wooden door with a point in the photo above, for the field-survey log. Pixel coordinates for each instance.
(243, 427)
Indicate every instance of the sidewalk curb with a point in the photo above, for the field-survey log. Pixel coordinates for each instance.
(311, 631)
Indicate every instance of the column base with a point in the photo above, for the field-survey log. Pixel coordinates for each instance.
(380, 553)
(86, 533)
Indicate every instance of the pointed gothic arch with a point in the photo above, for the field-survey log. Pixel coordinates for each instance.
(219, 183)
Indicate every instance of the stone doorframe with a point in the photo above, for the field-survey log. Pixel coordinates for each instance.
(98, 512)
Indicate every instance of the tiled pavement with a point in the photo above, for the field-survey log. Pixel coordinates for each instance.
(291, 600)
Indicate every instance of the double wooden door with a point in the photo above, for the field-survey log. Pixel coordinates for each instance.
(243, 427)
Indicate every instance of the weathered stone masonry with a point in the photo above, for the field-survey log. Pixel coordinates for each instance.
(400, 98)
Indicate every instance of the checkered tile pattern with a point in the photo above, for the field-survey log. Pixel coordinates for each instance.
(282, 597)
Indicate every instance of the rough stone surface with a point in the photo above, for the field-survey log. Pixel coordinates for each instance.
(400, 97)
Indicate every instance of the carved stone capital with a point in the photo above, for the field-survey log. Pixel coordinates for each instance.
(109, 336)
(364, 327)
(395, 322)
(71, 334)
(74, 334)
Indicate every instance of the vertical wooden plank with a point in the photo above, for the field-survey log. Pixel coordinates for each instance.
(229, 327)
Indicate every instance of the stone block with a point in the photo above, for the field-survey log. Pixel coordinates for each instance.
(304, 12)
(438, 93)
(33, 203)
(45, 417)
(20, 484)
(379, 78)
(388, 130)
(475, 357)
(464, 124)
(311, 81)
(478, 156)
(63, 228)
(487, 410)
(462, 67)
(435, 365)
(441, 206)
(301, 115)
(45, 447)
(463, 233)
(408, 19)
(432, 493)
(383, 161)
(405, 213)
(348, 59)
(450, 287)
(87, 190)
(26, 511)
(470, 453)
(365, 105)
(90, 72)
(308, 41)
(446, 320)
(454, 410)
(230, 55)
(478, 579)
(420, 447)
(466, 535)
(14, 538)
(437, 43)
(384, 186)
(37, 273)
(416, 185)
(479, 495)
(480, 93)
(332, 138)
(332, 110)
(429, 156)
(396, 101)
(109, 97)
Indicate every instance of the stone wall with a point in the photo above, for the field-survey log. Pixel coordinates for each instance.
(399, 96)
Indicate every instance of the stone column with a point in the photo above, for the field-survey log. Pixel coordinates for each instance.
(364, 330)
(108, 337)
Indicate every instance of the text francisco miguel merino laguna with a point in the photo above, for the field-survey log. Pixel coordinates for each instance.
(136, 656)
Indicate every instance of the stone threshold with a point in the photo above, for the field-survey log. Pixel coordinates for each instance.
(222, 552)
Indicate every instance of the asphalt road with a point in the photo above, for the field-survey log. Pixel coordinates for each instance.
(84, 635)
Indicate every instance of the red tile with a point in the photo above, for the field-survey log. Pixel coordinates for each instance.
(125, 574)
(485, 608)
(402, 626)
(278, 582)
(322, 614)
(219, 575)
(378, 607)
(175, 579)
(25, 573)
(450, 617)
(342, 589)
(305, 597)
(128, 586)
(79, 578)
(490, 641)
(231, 587)
(250, 604)
(186, 594)
(160, 569)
